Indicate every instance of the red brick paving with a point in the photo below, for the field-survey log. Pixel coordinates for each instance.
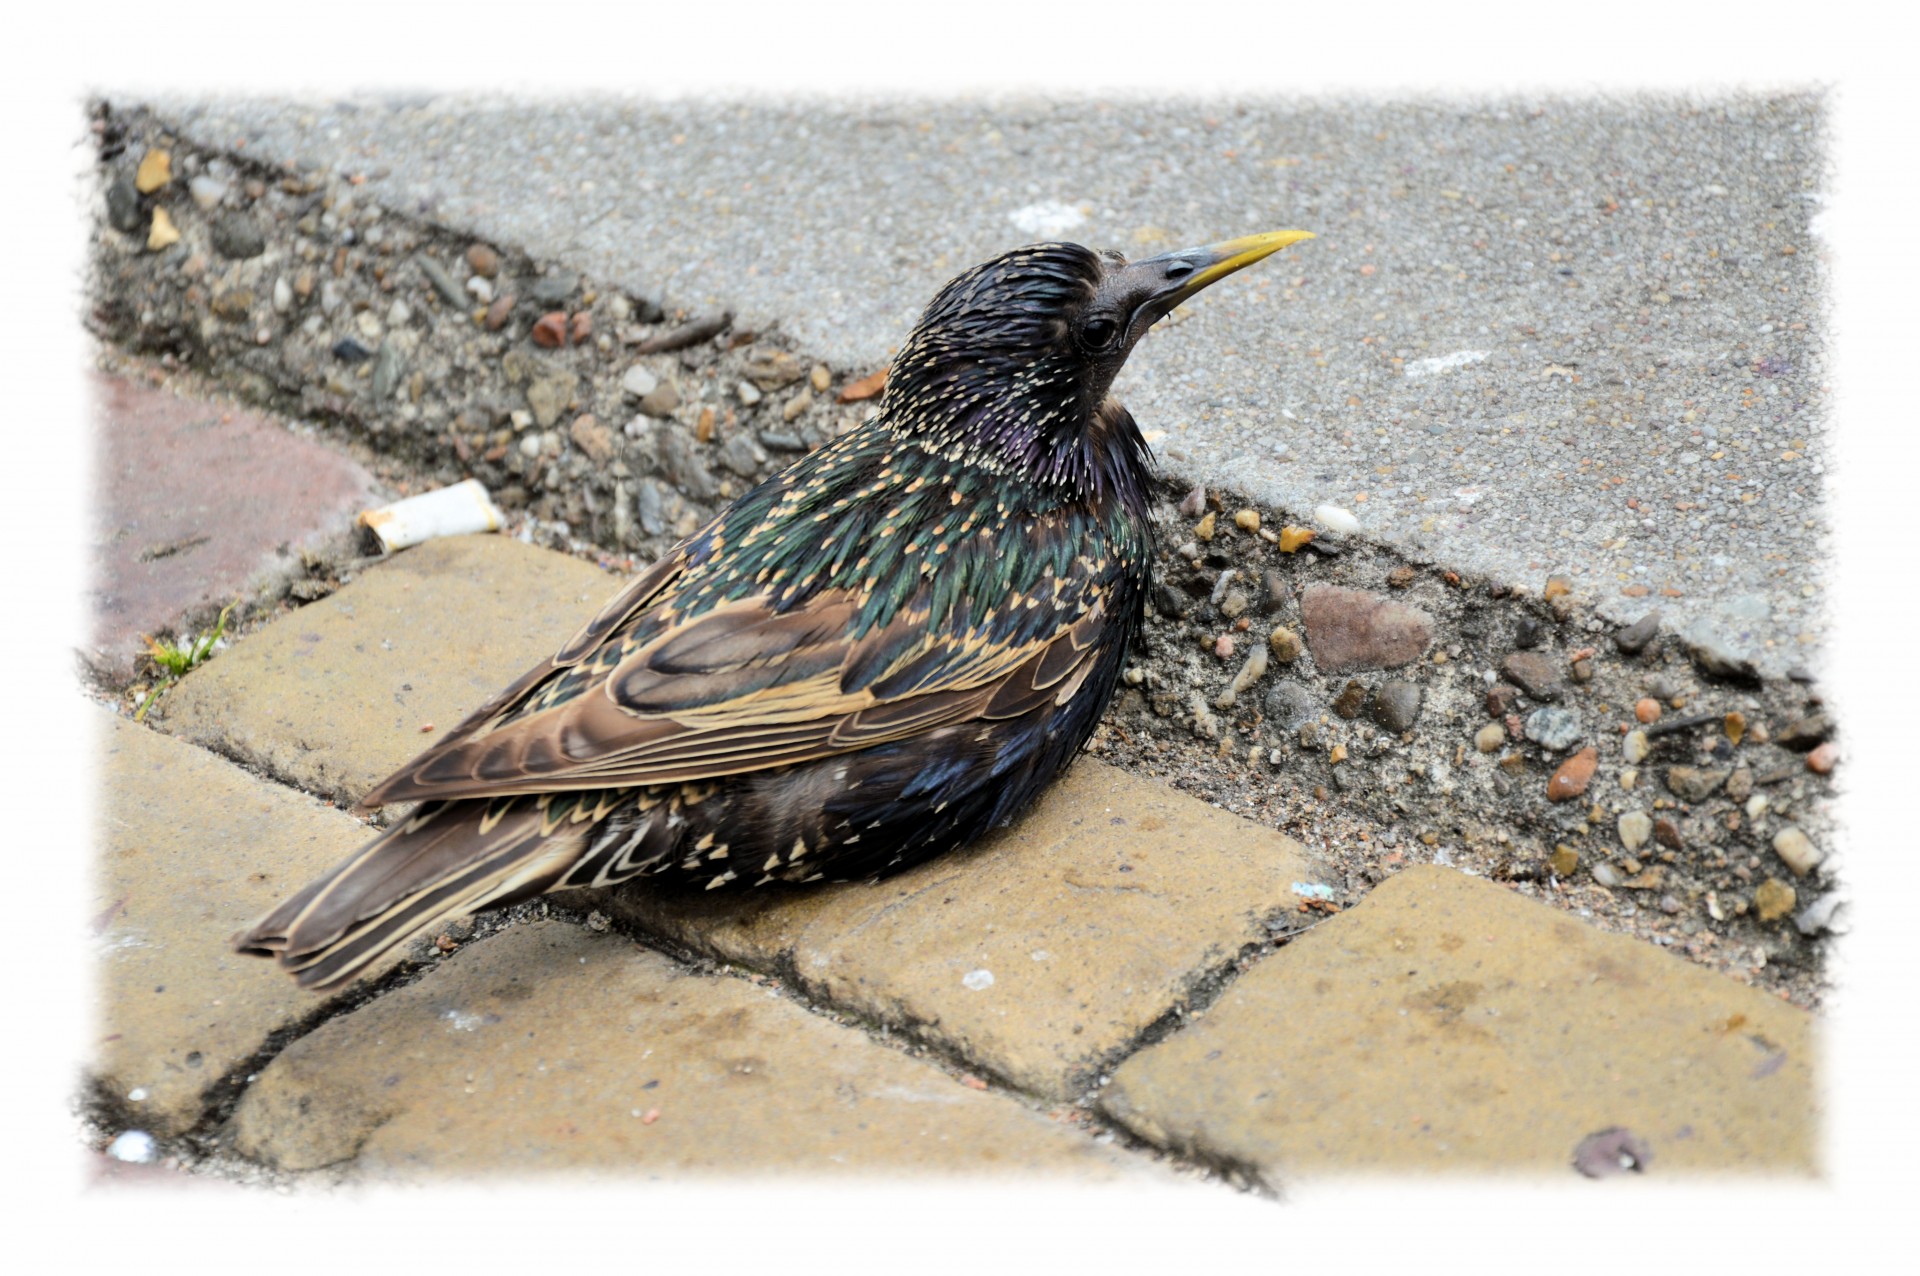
(194, 502)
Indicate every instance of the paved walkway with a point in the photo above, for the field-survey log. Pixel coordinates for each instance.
(1576, 336)
(1115, 989)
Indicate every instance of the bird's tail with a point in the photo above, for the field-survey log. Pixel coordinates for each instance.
(446, 859)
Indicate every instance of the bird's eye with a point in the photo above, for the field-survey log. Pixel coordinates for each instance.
(1099, 333)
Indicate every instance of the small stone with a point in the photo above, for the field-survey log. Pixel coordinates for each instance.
(1400, 577)
(1694, 784)
(592, 438)
(551, 290)
(1647, 709)
(1740, 784)
(772, 370)
(748, 393)
(387, 367)
(1800, 735)
(550, 330)
(1607, 875)
(1573, 775)
(499, 311)
(1351, 698)
(1396, 706)
(1251, 672)
(1635, 828)
(1223, 646)
(1557, 587)
(1527, 633)
(1204, 528)
(207, 192)
(582, 327)
(282, 295)
(1337, 754)
(1168, 601)
(1797, 850)
(1718, 658)
(442, 280)
(1822, 758)
(1193, 502)
(1563, 861)
(1290, 706)
(1735, 725)
(1247, 520)
(1286, 645)
(350, 352)
(639, 381)
(1501, 697)
(1773, 899)
(548, 398)
(1489, 737)
(483, 261)
(796, 405)
(1234, 604)
(743, 455)
(1633, 639)
(1273, 591)
(1635, 747)
(135, 1147)
(1356, 629)
(1821, 915)
(1292, 538)
(480, 289)
(1336, 519)
(661, 401)
(1538, 676)
(155, 171)
(819, 378)
(123, 206)
(1553, 729)
(162, 234)
(1667, 833)
(237, 237)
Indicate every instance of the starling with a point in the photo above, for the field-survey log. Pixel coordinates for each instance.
(878, 654)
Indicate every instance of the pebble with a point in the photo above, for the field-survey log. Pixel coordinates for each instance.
(1204, 528)
(639, 381)
(1803, 734)
(1647, 709)
(123, 206)
(1335, 519)
(660, 402)
(1223, 646)
(1740, 784)
(1220, 585)
(155, 171)
(1797, 850)
(1822, 758)
(282, 295)
(1573, 776)
(1563, 861)
(483, 261)
(1607, 875)
(1501, 698)
(1357, 629)
(1400, 577)
(1168, 601)
(1538, 676)
(1351, 698)
(479, 289)
(796, 405)
(387, 367)
(1773, 899)
(748, 393)
(1553, 728)
(1527, 633)
(1247, 520)
(592, 438)
(1273, 590)
(1286, 644)
(1717, 657)
(1292, 538)
(1667, 833)
(1489, 737)
(1193, 502)
(1735, 725)
(207, 191)
(350, 352)
(1635, 747)
(1290, 706)
(237, 237)
(162, 234)
(820, 378)
(1694, 784)
(550, 330)
(443, 282)
(1634, 638)
(500, 311)
(743, 456)
(1251, 672)
(1234, 604)
(1635, 828)
(1396, 706)
(551, 290)
(136, 1147)
(1822, 914)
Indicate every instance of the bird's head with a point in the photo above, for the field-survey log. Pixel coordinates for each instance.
(1010, 362)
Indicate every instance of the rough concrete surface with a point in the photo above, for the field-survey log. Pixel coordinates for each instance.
(1446, 1024)
(1039, 955)
(337, 695)
(1572, 334)
(489, 1064)
(192, 849)
(193, 503)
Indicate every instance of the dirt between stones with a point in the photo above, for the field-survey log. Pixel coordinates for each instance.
(1423, 718)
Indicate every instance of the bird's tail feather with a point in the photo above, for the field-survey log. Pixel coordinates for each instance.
(446, 859)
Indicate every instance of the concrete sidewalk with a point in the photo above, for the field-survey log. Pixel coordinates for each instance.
(1575, 336)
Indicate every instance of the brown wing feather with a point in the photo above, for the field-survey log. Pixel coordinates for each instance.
(741, 688)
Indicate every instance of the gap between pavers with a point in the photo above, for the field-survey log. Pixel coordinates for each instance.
(196, 503)
(192, 849)
(552, 1047)
(1039, 957)
(338, 694)
(1447, 1023)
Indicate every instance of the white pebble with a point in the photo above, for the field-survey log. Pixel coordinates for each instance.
(482, 290)
(1443, 363)
(748, 392)
(977, 980)
(282, 295)
(530, 445)
(1335, 519)
(134, 1146)
(207, 191)
(639, 382)
(639, 427)
(139, 1095)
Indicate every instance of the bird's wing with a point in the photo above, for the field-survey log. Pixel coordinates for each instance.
(642, 696)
